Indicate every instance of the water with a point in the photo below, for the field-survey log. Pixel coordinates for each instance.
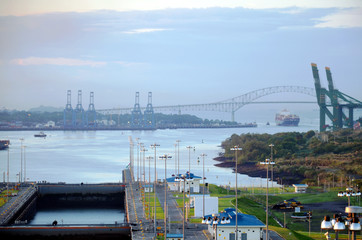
(78, 216)
(100, 156)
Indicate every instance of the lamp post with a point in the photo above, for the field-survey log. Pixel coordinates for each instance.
(175, 158)
(183, 178)
(7, 185)
(348, 193)
(165, 157)
(267, 162)
(144, 172)
(271, 159)
(21, 160)
(203, 182)
(189, 147)
(149, 185)
(178, 156)
(24, 165)
(236, 149)
(138, 159)
(154, 146)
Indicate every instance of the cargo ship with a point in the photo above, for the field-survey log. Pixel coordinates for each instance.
(284, 118)
(4, 144)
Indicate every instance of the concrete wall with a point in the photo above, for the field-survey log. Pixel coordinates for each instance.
(44, 189)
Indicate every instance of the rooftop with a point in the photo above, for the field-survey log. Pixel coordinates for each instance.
(228, 218)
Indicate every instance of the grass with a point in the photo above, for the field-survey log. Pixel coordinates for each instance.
(3, 196)
(254, 204)
(159, 210)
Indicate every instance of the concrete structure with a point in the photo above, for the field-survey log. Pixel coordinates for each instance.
(148, 187)
(222, 225)
(300, 188)
(211, 205)
(192, 183)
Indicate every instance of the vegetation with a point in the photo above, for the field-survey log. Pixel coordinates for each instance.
(328, 157)
(297, 229)
(29, 118)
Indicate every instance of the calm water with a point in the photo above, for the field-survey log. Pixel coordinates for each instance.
(78, 216)
(100, 156)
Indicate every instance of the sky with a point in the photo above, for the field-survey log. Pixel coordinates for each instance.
(183, 51)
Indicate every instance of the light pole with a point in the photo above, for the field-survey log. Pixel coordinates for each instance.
(144, 172)
(267, 162)
(138, 159)
(21, 160)
(165, 157)
(236, 149)
(203, 182)
(7, 185)
(149, 185)
(271, 159)
(183, 178)
(348, 193)
(178, 156)
(175, 159)
(24, 165)
(154, 146)
(189, 147)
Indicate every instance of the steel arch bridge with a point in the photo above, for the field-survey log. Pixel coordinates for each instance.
(228, 105)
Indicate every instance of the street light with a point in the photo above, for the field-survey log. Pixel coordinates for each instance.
(203, 182)
(338, 225)
(154, 146)
(189, 147)
(165, 157)
(183, 178)
(178, 156)
(236, 149)
(144, 173)
(271, 159)
(138, 158)
(267, 162)
(24, 165)
(21, 160)
(149, 184)
(348, 193)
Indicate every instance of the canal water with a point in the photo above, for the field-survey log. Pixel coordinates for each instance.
(100, 157)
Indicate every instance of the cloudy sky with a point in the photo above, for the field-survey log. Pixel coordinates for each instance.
(183, 51)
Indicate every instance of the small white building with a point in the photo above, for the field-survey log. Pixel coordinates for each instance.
(300, 188)
(223, 225)
(148, 187)
(191, 183)
(50, 124)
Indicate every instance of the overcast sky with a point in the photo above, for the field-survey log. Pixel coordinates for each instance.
(183, 51)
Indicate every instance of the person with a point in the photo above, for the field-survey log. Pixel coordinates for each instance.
(54, 223)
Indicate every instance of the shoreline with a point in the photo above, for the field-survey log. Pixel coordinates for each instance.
(252, 169)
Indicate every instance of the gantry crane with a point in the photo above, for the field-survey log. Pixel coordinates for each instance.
(333, 98)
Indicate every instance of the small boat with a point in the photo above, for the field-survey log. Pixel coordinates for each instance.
(4, 144)
(41, 134)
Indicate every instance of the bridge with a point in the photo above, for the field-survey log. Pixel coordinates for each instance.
(229, 105)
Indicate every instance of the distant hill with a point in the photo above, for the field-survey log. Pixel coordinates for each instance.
(46, 109)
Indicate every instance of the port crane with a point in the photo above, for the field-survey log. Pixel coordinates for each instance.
(332, 102)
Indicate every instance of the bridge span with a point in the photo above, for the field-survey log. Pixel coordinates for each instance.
(229, 105)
